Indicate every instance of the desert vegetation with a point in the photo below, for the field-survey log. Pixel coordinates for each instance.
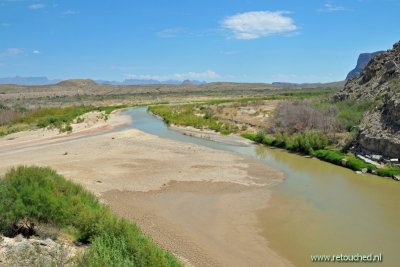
(31, 197)
(307, 122)
(197, 116)
(323, 129)
(216, 114)
(16, 118)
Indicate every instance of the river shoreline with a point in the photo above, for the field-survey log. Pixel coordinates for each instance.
(151, 180)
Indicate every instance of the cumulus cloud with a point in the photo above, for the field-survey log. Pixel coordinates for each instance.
(257, 24)
(168, 33)
(37, 6)
(11, 52)
(177, 76)
(36, 52)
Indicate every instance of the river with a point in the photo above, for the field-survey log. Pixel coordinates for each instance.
(319, 208)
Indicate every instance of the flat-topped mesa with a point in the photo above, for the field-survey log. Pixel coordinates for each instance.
(362, 62)
(379, 82)
(380, 75)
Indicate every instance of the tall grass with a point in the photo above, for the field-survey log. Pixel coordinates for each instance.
(184, 115)
(43, 196)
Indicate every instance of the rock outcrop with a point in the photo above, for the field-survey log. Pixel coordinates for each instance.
(20, 251)
(363, 60)
(380, 82)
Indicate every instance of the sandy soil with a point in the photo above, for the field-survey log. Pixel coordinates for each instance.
(197, 202)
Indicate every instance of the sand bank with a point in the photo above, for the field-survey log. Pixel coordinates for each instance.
(197, 202)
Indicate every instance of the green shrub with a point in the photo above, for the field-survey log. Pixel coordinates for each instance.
(44, 196)
(259, 138)
(358, 164)
(305, 142)
(308, 141)
(351, 112)
(249, 136)
(281, 140)
(331, 156)
(388, 172)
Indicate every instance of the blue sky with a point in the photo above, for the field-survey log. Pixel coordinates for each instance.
(227, 40)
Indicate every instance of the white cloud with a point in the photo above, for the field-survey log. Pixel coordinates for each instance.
(37, 6)
(11, 52)
(168, 33)
(70, 12)
(329, 7)
(177, 76)
(36, 52)
(257, 24)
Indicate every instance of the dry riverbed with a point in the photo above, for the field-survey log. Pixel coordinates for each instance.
(197, 202)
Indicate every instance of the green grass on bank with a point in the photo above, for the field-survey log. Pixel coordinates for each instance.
(184, 115)
(60, 118)
(45, 197)
(305, 142)
(315, 146)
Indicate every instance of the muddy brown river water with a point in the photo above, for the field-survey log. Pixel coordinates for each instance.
(319, 209)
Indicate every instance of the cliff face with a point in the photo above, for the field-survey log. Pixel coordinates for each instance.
(362, 61)
(380, 81)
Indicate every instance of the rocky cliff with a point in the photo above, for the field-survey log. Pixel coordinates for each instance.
(379, 81)
(363, 60)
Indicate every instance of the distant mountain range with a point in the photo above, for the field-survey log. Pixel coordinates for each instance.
(338, 84)
(28, 80)
(149, 81)
(45, 81)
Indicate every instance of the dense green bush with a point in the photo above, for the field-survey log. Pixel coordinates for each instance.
(305, 142)
(331, 156)
(249, 136)
(308, 141)
(358, 164)
(259, 138)
(43, 196)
